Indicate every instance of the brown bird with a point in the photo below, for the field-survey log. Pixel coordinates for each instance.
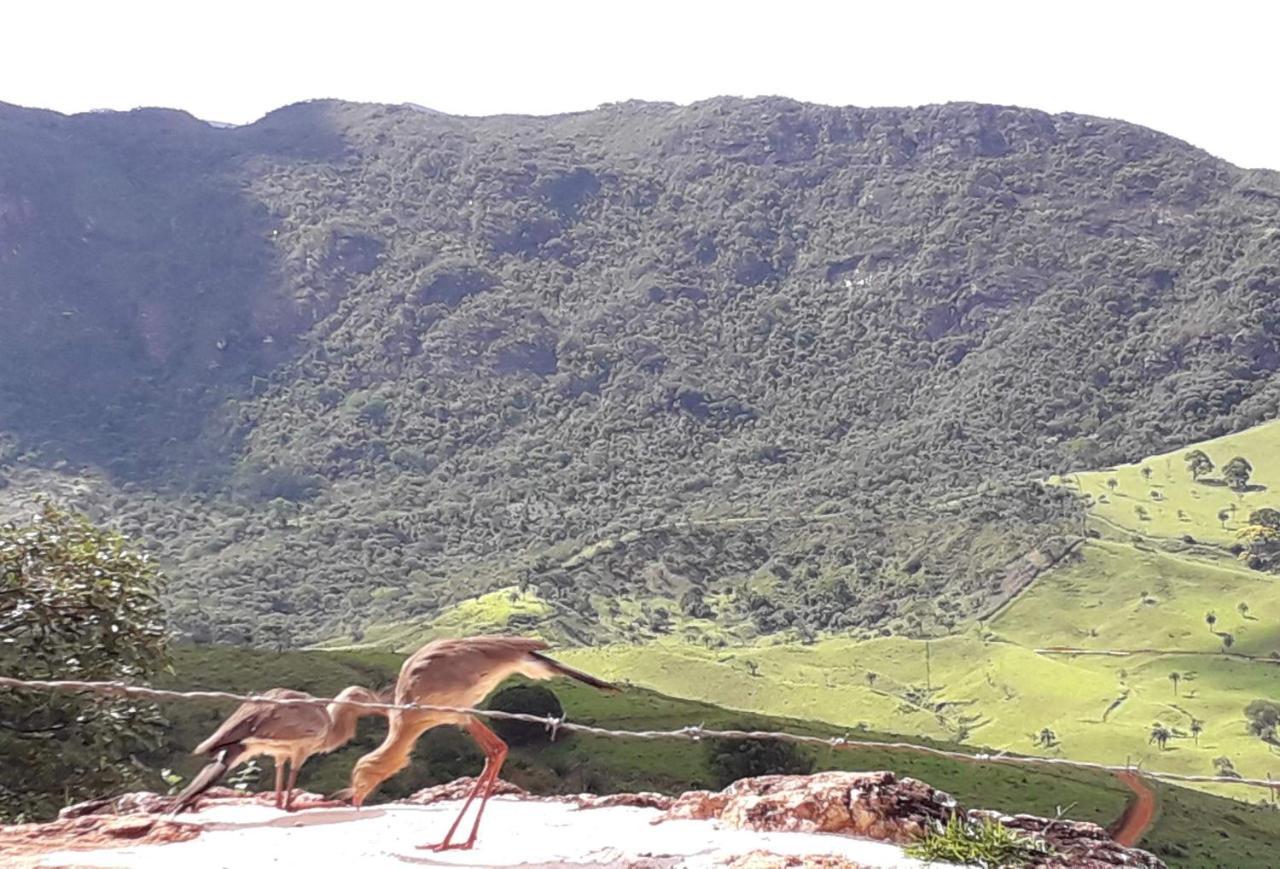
(288, 733)
(459, 673)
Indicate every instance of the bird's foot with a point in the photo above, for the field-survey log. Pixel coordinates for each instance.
(448, 846)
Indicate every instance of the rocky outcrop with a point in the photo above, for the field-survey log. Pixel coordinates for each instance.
(21, 844)
(878, 806)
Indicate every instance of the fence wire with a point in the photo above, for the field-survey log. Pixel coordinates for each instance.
(693, 732)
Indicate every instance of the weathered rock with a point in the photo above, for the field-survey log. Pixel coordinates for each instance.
(765, 860)
(459, 789)
(88, 833)
(1075, 843)
(876, 805)
(642, 800)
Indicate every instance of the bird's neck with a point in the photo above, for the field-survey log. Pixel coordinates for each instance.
(393, 754)
(344, 720)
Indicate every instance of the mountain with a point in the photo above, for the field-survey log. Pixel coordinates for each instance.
(792, 367)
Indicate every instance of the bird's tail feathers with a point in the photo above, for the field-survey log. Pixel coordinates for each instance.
(546, 667)
(208, 777)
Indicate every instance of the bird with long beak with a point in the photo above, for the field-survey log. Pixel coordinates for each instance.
(460, 673)
(288, 733)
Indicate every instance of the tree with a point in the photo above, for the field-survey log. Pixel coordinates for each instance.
(1210, 619)
(1198, 463)
(734, 759)
(1160, 735)
(1228, 640)
(872, 676)
(1262, 717)
(76, 602)
(1224, 767)
(529, 699)
(1112, 482)
(1223, 516)
(1243, 609)
(1197, 728)
(1267, 517)
(1046, 738)
(1175, 677)
(1235, 473)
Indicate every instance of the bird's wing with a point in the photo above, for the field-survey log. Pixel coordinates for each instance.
(452, 668)
(268, 721)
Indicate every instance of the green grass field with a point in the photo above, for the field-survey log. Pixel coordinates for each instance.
(1173, 503)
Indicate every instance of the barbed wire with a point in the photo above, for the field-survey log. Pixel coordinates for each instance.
(694, 733)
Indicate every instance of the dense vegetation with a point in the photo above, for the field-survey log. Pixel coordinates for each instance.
(76, 602)
(352, 363)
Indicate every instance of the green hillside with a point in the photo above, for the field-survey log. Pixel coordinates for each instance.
(353, 364)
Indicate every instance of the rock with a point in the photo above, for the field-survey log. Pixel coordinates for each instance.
(643, 800)
(90, 832)
(765, 860)
(459, 789)
(875, 805)
(1075, 843)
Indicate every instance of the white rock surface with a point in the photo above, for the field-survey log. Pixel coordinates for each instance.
(515, 832)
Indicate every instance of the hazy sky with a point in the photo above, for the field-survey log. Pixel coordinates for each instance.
(1199, 73)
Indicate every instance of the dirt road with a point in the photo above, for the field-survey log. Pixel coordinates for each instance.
(1138, 815)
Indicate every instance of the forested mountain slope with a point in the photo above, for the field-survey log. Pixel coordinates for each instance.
(353, 362)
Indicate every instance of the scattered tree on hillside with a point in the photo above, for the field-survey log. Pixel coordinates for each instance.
(1197, 728)
(1262, 539)
(1175, 677)
(1046, 738)
(1243, 609)
(872, 676)
(76, 602)
(734, 759)
(1146, 473)
(1235, 473)
(1262, 717)
(1223, 516)
(1112, 482)
(752, 667)
(1182, 515)
(1223, 767)
(1160, 735)
(1198, 463)
(1210, 619)
(1268, 517)
(1228, 640)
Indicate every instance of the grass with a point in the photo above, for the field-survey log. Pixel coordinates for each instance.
(982, 843)
(1181, 505)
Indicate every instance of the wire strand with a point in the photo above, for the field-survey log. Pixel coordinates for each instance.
(554, 724)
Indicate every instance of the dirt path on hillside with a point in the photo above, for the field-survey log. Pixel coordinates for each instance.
(1138, 815)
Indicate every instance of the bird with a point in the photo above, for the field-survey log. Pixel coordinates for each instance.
(458, 672)
(289, 733)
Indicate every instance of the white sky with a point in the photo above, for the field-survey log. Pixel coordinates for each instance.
(1205, 73)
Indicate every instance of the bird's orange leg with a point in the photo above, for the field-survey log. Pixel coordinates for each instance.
(293, 782)
(279, 782)
(495, 752)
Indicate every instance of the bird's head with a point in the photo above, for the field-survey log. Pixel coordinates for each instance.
(369, 772)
